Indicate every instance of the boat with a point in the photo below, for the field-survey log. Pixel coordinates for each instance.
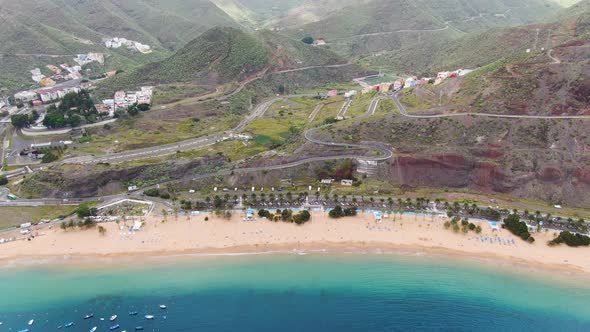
(139, 328)
(25, 330)
(31, 322)
(163, 306)
(113, 317)
(93, 329)
(101, 318)
(149, 316)
(88, 316)
(114, 327)
(70, 324)
(133, 313)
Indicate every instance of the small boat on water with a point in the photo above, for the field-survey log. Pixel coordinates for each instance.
(70, 324)
(138, 328)
(88, 316)
(31, 322)
(113, 317)
(149, 316)
(25, 330)
(114, 327)
(133, 313)
(163, 306)
(93, 329)
(101, 318)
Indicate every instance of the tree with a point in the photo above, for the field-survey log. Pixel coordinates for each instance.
(3, 180)
(84, 210)
(101, 230)
(143, 107)
(308, 40)
(20, 120)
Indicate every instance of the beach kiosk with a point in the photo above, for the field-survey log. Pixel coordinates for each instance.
(378, 216)
(249, 215)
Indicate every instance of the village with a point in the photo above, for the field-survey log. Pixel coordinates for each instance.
(409, 82)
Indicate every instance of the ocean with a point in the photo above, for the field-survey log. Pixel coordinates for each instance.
(282, 292)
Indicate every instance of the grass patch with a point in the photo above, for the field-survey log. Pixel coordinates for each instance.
(14, 216)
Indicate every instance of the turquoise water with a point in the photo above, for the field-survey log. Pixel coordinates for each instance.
(293, 293)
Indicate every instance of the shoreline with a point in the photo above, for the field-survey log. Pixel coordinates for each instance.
(179, 239)
(131, 259)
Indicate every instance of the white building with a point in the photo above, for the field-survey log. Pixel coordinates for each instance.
(26, 96)
(347, 183)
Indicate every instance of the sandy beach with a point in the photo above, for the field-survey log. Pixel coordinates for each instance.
(183, 234)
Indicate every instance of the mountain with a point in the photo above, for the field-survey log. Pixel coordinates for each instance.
(552, 79)
(223, 55)
(394, 25)
(33, 30)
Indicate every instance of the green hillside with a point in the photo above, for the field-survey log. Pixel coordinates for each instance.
(31, 30)
(553, 79)
(223, 55)
(407, 26)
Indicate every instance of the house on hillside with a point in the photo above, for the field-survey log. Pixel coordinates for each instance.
(327, 181)
(319, 42)
(25, 96)
(332, 93)
(443, 75)
(347, 183)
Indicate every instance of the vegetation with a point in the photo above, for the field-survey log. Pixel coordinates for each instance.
(72, 109)
(85, 210)
(308, 40)
(518, 228)
(286, 215)
(101, 230)
(339, 212)
(572, 240)
(24, 120)
(3, 180)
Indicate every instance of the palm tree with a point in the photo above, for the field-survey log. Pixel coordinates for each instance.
(390, 202)
(400, 202)
(165, 214)
(372, 200)
(208, 200)
(335, 197)
(317, 195)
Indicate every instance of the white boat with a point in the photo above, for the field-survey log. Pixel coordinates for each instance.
(93, 329)
(163, 306)
(31, 322)
(113, 317)
(149, 316)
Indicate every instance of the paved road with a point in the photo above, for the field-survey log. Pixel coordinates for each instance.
(47, 132)
(385, 152)
(405, 113)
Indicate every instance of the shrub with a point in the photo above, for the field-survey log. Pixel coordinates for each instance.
(84, 210)
(517, 227)
(472, 226)
(165, 196)
(572, 240)
(447, 224)
(308, 40)
(302, 217)
(3, 180)
(152, 192)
